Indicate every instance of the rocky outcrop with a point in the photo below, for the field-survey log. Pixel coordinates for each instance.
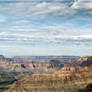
(85, 61)
(88, 88)
(59, 82)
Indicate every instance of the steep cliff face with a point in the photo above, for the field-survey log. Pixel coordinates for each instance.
(85, 61)
(51, 65)
(67, 79)
(58, 82)
(52, 76)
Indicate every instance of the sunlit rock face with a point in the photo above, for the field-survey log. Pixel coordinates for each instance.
(51, 76)
(64, 80)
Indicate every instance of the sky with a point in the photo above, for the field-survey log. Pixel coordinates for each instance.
(45, 27)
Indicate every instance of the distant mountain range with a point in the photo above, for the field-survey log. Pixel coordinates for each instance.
(38, 58)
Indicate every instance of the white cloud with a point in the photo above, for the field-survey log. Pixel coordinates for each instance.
(82, 4)
(47, 9)
(35, 9)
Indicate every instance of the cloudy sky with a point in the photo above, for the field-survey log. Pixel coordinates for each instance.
(45, 27)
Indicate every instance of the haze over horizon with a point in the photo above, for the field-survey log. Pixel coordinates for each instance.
(45, 27)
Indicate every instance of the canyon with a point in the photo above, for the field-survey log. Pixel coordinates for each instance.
(46, 74)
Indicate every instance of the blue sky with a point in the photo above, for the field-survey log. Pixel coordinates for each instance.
(46, 27)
